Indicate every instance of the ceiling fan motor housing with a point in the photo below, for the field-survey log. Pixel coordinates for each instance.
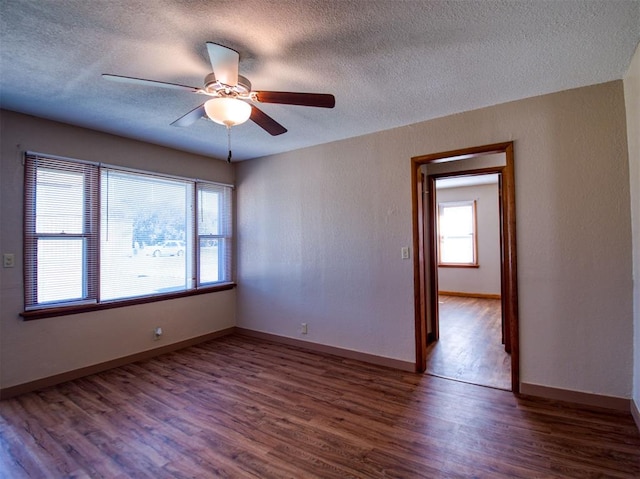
(213, 86)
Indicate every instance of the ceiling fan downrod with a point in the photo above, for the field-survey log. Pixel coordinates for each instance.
(229, 143)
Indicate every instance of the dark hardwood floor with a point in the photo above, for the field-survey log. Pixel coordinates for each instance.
(239, 407)
(470, 348)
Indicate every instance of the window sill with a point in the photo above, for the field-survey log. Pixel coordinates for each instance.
(449, 265)
(85, 308)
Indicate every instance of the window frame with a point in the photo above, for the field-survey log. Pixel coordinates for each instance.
(224, 235)
(89, 230)
(474, 234)
(91, 221)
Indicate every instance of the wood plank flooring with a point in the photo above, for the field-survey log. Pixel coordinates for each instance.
(241, 407)
(470, 348)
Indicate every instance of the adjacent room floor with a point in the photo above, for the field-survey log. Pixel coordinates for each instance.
(239, 407)
(470, 348)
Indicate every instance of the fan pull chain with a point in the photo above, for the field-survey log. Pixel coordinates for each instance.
(229, 143)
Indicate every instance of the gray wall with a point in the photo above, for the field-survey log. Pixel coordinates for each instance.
(321, 231)
(632, 101)
(41, 348)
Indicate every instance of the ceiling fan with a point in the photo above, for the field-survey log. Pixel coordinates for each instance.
(231, 98)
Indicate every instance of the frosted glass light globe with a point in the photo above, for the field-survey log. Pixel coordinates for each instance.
(227, 111)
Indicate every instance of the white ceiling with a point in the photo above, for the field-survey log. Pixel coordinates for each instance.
(389, 63)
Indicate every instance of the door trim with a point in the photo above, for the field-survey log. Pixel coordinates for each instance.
(424, 233)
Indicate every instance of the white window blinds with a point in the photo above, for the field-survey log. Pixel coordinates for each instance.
(60, 231)
(103, 234)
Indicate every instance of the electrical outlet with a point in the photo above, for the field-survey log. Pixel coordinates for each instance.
(303, 328)
(8, 260)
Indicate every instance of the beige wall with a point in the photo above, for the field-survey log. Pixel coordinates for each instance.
(632, 101)
(41, 348)
(321, 231)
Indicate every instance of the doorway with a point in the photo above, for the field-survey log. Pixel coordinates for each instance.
(470, 161)
(470, 347)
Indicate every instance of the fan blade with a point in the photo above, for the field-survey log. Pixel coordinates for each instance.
(265, 122)
(224, 62)
(191, 117)
(322, 100)
(142, 81)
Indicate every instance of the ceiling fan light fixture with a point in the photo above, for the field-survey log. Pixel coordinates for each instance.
(227, 111)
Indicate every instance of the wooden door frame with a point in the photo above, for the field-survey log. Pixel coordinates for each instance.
(432, 241)
(509, 288)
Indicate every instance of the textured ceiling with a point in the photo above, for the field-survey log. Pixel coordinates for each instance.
(389, 63)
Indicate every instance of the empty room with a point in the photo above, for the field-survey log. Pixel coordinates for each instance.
(228, 247)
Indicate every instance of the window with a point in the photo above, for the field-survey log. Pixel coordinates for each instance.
(457, 234)
(214, 233)
(60, 240)
(145, 226)
(96, 234)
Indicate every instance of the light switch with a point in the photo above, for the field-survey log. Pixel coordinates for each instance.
(8, 260)
(405, 252)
